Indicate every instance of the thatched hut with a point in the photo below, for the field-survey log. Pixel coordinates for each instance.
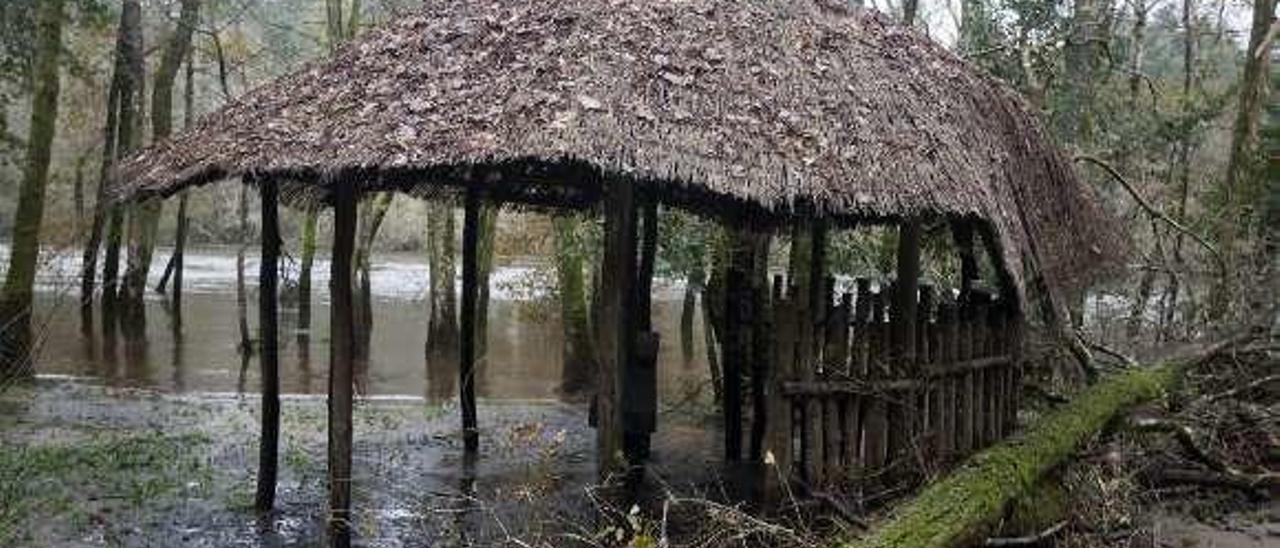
(761, 113)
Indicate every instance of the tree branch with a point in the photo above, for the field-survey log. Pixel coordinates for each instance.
(1152, 210)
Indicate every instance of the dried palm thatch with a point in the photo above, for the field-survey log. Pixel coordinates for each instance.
(740, 107)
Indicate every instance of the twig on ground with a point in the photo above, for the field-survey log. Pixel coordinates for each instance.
(1259, 383)
(1247, 482)
(838, 507)
(1221, 474)
(1029, 540)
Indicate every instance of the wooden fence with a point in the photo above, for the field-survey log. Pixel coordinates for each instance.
(874, 403)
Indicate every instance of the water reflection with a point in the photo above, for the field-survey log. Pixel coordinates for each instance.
(197, 351)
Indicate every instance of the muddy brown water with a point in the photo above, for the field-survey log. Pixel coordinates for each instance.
(524, 336)
(533, 476)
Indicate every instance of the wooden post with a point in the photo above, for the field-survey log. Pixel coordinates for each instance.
(269, 353)
(962, 234)
(861, 327)
(907, 291)
(778, 433)
(856, 413)
(1017, 323)
(617, 319)
(640, 379)
(964, 396)
(947, 359)
(341, 362)
(648, 253)
(903, 426)
(736, 347)
(761, 344)
(980, 396)
(873, 407)
(807, 249)
(930, 400)
(470, 298)
(995, 390)
(835, 354)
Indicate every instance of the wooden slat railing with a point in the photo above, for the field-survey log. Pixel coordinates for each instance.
(879, 416)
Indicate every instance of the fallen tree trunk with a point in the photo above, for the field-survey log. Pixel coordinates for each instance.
(960, 509)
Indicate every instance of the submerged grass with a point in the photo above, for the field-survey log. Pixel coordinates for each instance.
(958, 508)
(85, 480)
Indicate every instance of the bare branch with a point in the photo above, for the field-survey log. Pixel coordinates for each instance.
(1152, 210)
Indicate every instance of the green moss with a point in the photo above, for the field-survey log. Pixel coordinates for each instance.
(57, 481)
(961, 507)
(1036, 510)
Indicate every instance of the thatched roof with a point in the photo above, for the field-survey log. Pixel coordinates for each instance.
(778, 108)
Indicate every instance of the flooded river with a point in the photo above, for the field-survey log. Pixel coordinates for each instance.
(524, 335)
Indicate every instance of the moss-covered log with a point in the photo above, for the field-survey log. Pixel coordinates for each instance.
(960, 509)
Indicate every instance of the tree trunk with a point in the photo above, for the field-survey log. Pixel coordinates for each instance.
(688, 308)
(1173, 287)
(180, 238)
(442, 325)
(1244, 162)
(16, 297)
(242, 300)
(961, 508)
(579, 365)
(1075, 120)
(119, 137)
(484, 269)
(1138, 51)
(145, 218)
(909, 9)
(306, 258)
(373, 211)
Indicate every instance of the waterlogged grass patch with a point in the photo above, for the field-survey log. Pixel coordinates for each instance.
(78, 482)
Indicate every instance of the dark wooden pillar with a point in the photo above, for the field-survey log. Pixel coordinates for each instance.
(902, 427)
(778, 435)
(908, 290)
(808, 244)
(962, 235)
(761, 351)
(640, 375)
(736, 346)
(269, 353)
(470, 298)
(617, 319)
(648, 255)
(341, 362)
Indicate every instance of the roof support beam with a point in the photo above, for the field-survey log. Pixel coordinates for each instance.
(269, 353)
(903, 424)
(341, 362)
(640, 376)
(470, 299)
(617, 319)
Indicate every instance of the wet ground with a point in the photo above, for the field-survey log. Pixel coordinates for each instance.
(92, 465)
(152, 440)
